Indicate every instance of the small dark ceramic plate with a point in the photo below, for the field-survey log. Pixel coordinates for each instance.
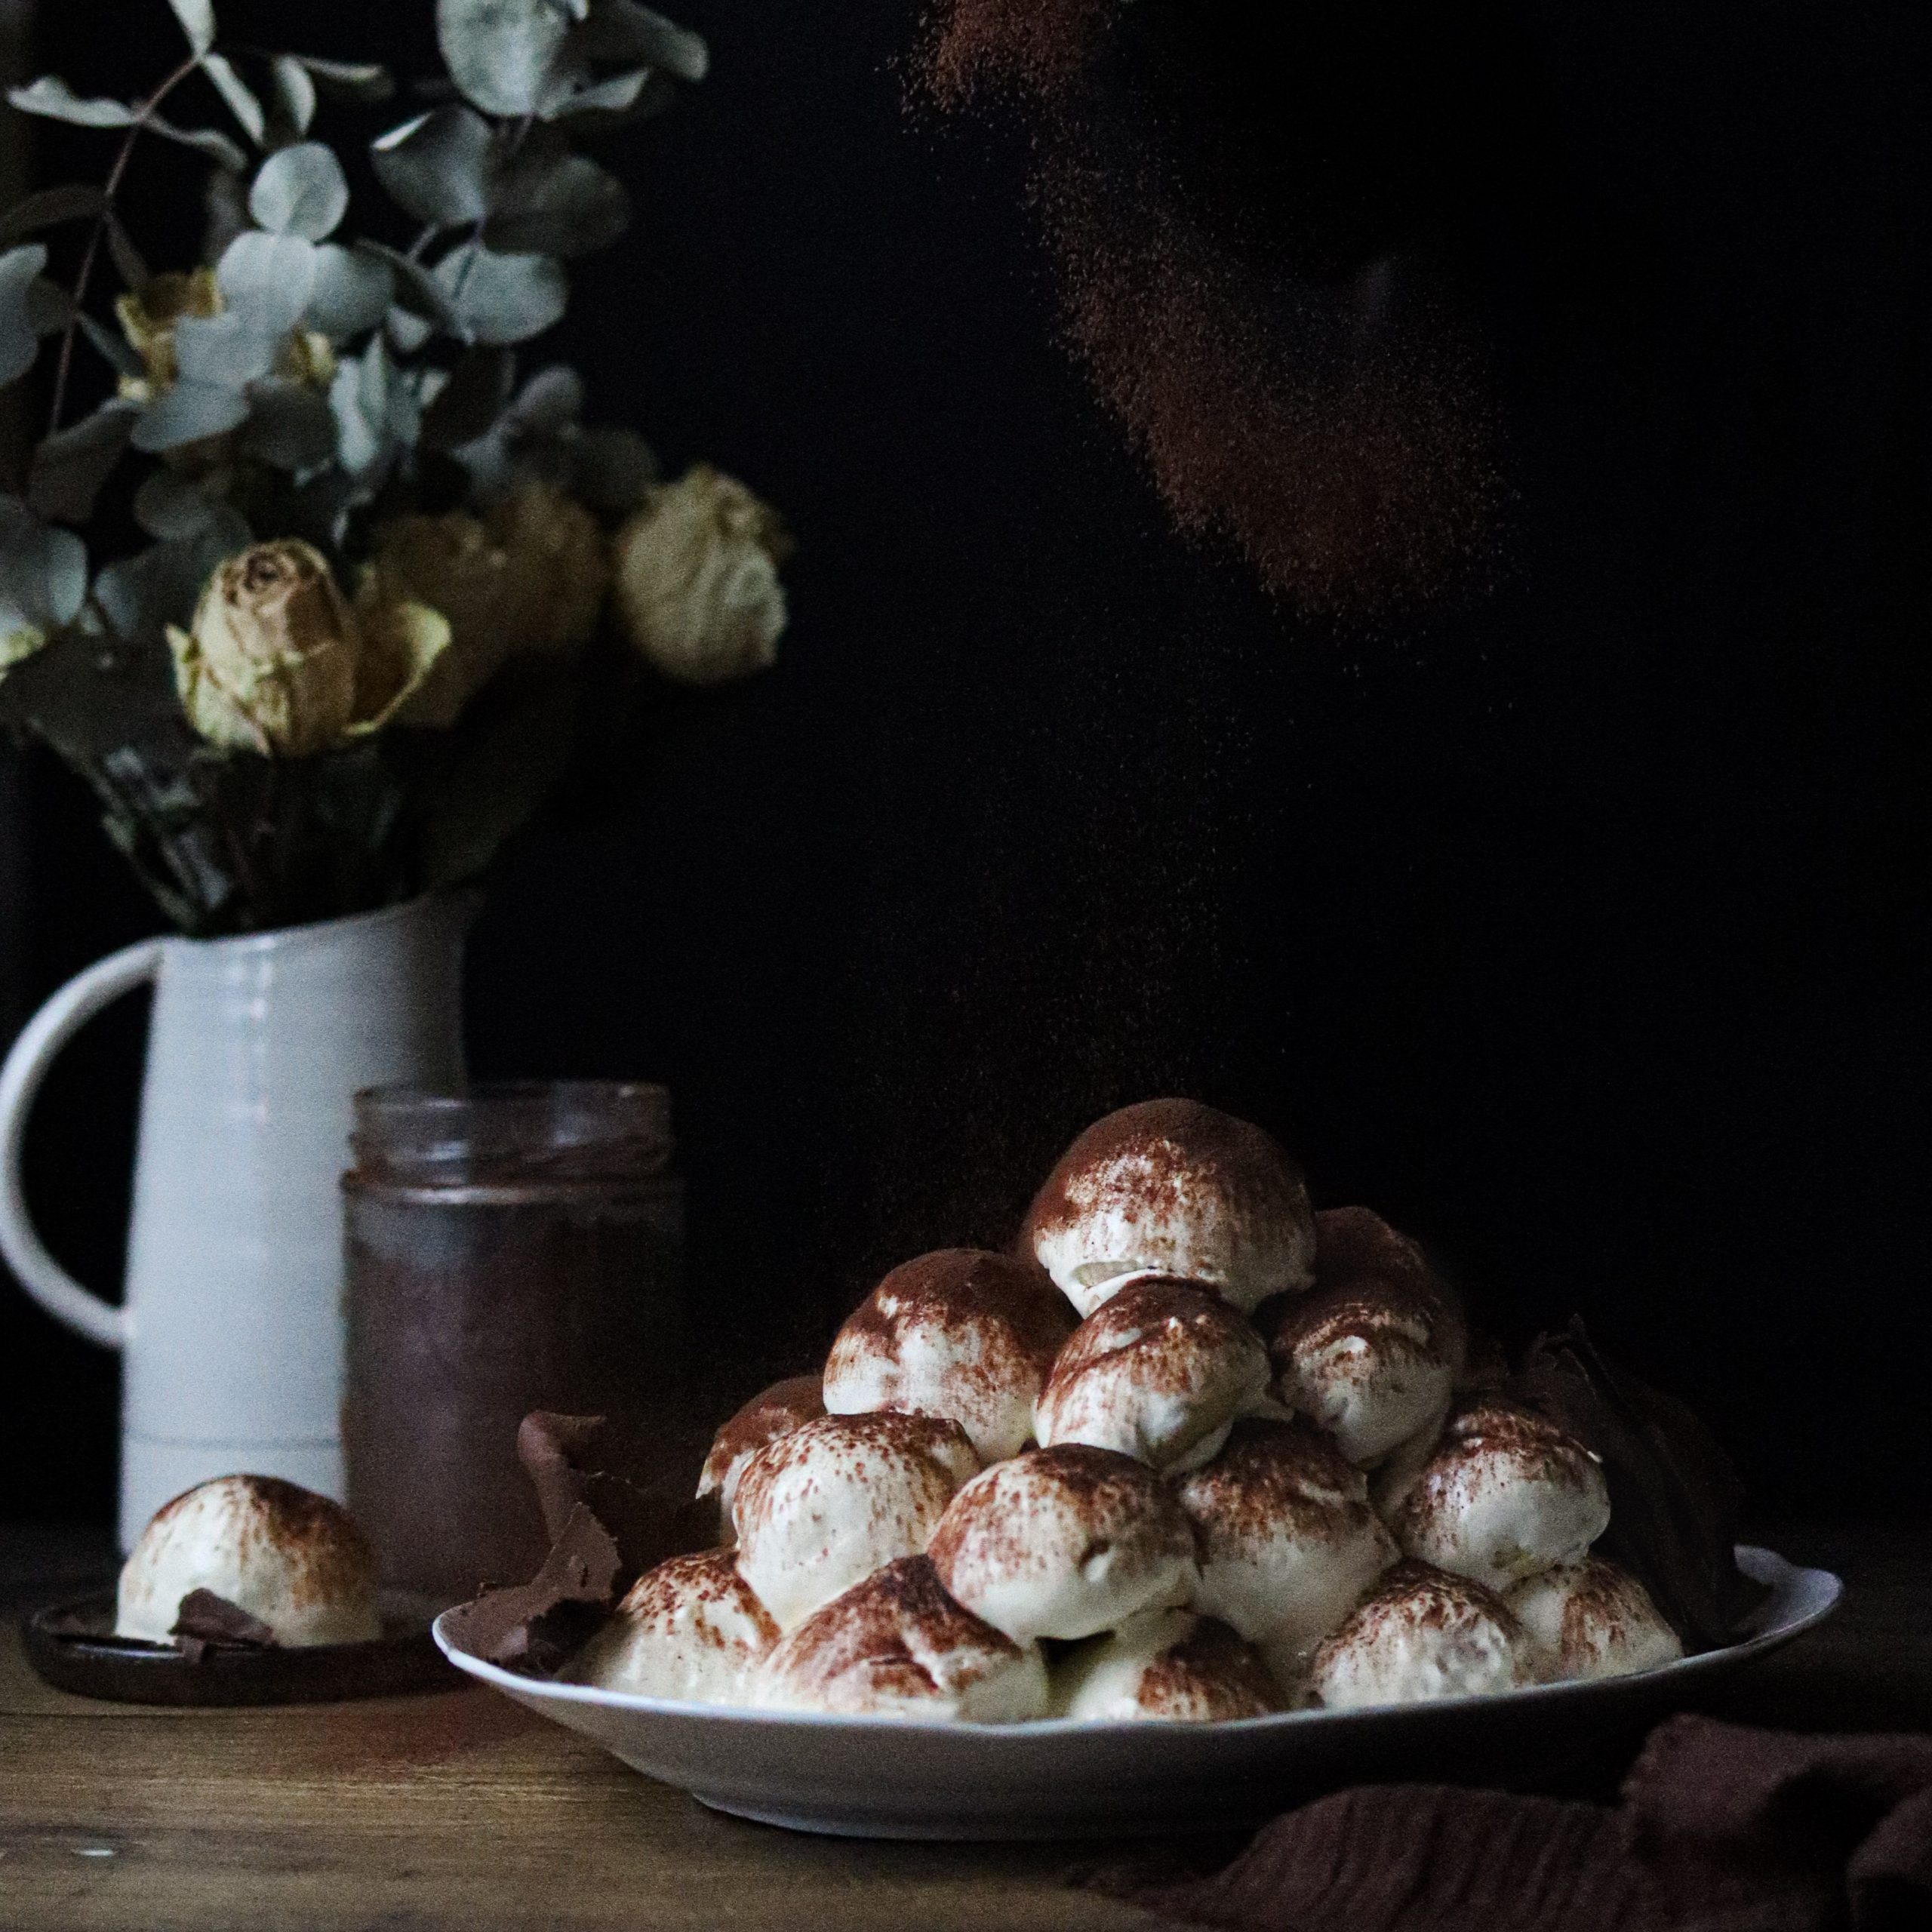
(72, 1645)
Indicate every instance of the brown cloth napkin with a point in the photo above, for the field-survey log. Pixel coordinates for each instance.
(1722, 1828)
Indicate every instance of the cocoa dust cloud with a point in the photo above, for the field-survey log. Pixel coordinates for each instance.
(1247, 218)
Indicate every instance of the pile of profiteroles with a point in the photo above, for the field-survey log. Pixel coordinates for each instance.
(1192, 1451)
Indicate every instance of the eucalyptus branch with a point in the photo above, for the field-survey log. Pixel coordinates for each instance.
(143, 115)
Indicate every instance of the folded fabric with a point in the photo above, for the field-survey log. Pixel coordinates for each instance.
(1720, 1828)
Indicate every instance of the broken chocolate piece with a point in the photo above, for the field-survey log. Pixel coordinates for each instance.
(207, 1621)
(534, 1626)
(1674, 1495)
(573, 1460)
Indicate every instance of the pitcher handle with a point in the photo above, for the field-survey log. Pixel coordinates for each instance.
(41, 1039)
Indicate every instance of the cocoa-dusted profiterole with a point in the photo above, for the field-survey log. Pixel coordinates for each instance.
(1592, 1619)
(1172, 1187)
(896, 1645)
(1286, 1542)
(1507, 1494)
(291, 1561)
(1160, 1371)
(770, 1414)
(820, 1508)
(1373, 1351)
(1421, 1635)
(1065, 1542)
(1173, 1665)
(692, 1628)
(961, 1333)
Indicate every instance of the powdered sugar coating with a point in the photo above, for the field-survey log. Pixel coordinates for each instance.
(692, 1629)
(1285, 1538)
(1172, 1187)
(960, 1332)
(839, 1497)
(1592, 1620)
(1423, 1635)
(1065, 1542)
(1159, 1372)
(897, 1645)
(1506, 1495)
(1167, 1665)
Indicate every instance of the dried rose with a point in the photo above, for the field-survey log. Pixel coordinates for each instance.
(697, 579)
(526, 579)
(278, 663)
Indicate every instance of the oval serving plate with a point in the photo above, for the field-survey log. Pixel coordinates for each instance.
(888, 1777)
(72, 1644)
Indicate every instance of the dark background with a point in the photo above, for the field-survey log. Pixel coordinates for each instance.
(1581, 928)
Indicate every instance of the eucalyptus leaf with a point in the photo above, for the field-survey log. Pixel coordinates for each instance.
(197, 19)
(416, 290)
(293, 98)
(622, 31)
(359, 80)
(506, 56)
(351, 292)
(502, 298)
(118, 351)
(238, 95)
(289, 426)
(129, 264)
(360, 432)
(20, 341)
(160, 585)
(77, 200)
(69, 467)
(216, 145)
(169, 505)
(43, 569)
(51, 97)
(300, 191)
(228, 350)
(471, 401)
(437, 166)
(268, 278)
(407, 333)
(186, 412)
(615, 95)
(552, 202)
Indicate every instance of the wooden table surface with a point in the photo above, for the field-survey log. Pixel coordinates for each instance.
(459, 1810)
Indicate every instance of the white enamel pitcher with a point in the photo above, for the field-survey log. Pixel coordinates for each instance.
(230, 1326)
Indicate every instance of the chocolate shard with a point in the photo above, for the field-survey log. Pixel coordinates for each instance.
(574, 1461)
(535, 1627)
(206, 1621)
(1675, 1496)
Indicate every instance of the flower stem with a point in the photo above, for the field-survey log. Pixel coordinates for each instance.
(147, 109)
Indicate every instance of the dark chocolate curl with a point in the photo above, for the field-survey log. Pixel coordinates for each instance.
(1674, 1495)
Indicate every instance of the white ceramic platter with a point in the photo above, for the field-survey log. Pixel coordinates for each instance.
(884, 1777)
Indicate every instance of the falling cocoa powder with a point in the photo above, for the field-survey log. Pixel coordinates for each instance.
(1329, 425)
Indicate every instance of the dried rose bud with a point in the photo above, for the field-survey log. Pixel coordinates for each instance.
(278, 663)
(697, 579)
(526, 579)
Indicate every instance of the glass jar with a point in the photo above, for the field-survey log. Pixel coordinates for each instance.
(509, 1248)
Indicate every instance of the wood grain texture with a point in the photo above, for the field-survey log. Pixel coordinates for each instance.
(462, 1811)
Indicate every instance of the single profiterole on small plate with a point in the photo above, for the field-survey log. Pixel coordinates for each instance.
(1197, 1498)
